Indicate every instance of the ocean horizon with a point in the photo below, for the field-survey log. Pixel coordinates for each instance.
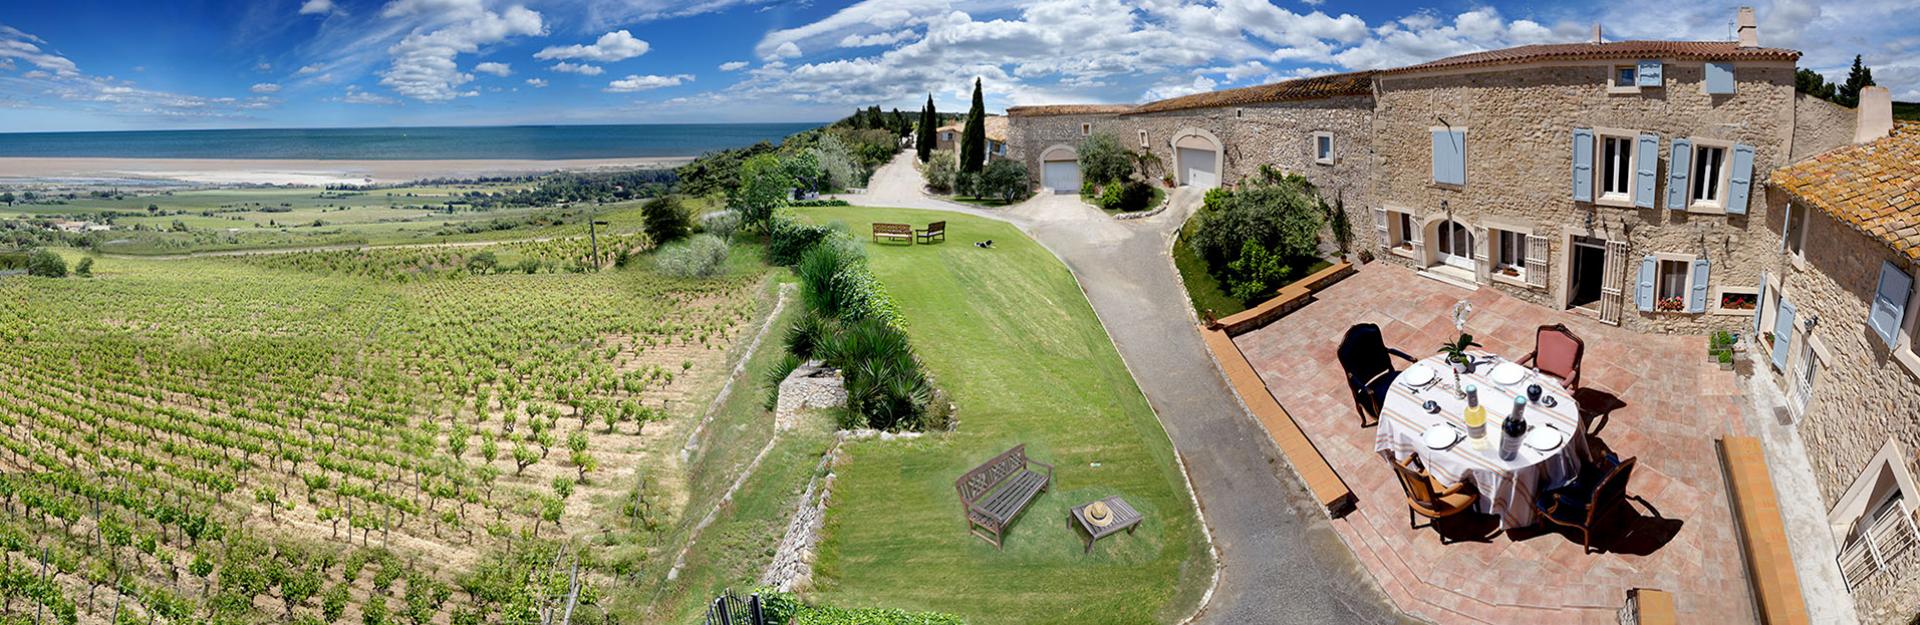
(402, 143)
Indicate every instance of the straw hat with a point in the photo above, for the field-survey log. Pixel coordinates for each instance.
(1098, 514)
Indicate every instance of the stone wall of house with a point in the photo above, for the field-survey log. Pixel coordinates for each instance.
(1519, 124)
(1819, 125)
(1861, 395)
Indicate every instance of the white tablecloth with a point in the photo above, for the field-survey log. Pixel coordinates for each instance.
(1507, 488)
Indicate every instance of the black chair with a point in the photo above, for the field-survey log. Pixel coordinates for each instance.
(1584, 502)
(1369, 366)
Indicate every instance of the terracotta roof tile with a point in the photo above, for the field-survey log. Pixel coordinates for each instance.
(1873, 187)
(1695, 50)
(1068, 109)
(1332, 85)
(996, 126)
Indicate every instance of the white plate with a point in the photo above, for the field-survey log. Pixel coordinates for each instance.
(1440, 437)
(1508, 373)
(1417, 375)
(1544, 439)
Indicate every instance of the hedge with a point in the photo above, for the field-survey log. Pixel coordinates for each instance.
(872, 616)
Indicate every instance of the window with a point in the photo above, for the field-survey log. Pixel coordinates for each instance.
(1449, 156)
(1086, 129)
(1736, 301)
(1616, 168)
(1873, 520)
(1624, 79)
(1143, 138)
(1671, 291)
(1908, 353)
(1794, 235)
(1401, 232)
(1800, 388)
(1709, 175)
(1323, 148)
(1510, 254)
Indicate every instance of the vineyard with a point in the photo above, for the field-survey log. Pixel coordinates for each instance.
(430, 435)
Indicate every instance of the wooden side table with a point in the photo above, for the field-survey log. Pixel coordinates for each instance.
(1124, 518)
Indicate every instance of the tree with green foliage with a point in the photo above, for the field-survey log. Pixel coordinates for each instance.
(84, 268)
(46, 264)
(1812, 83)
(764, 188)
(1858, 77)
(665, 219)
(804, 169)
(1103, 160)
(1004, 180)
(1255, 237)
(924, 141)
(973, 139)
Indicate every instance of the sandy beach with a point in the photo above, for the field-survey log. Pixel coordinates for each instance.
(296, 172)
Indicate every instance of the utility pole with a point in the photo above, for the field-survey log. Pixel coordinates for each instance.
(595, 238)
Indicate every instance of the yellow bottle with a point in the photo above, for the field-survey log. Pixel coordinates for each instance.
(1476, 414)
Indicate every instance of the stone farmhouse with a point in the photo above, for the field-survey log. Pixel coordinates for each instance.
(1661, 186)
(948, 137)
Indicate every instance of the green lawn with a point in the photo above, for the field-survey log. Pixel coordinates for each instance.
(1008, 333)
(1202, 288)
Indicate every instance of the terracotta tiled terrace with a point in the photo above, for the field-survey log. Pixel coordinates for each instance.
(1671, 406)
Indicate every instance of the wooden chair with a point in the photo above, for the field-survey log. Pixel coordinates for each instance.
(933, 230)
(1557, 352)
(1583, 503)
(1427, 498)
(1369, 366)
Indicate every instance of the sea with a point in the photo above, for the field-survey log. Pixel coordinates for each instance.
(416, 143)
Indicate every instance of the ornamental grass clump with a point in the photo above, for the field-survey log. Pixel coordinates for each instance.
(703, 256)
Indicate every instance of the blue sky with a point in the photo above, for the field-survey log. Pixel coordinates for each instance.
(93, 65)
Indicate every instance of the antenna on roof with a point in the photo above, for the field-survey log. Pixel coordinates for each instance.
(1596, 33)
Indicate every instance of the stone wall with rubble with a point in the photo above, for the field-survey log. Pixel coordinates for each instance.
(1519, 124)
(1819, 125)
(1861, 395)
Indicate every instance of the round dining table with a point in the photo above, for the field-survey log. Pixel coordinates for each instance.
(1507, 488)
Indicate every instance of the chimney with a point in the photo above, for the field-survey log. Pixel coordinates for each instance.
(1749, 28)
(1875, 114)
(1596, 33)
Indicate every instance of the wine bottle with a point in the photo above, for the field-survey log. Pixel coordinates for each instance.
(1513, 429)
(1476, 414)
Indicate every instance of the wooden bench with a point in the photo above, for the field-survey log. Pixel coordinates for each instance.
(935, 229)
(995, 493)
(1756, 509)
(896, 232)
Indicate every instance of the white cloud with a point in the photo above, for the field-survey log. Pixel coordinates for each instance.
(265, 87)
(877, 39)
(536, 82)
(263, 66)
(1200, 84)
(308, 70)
(497, 69)
(784, 51)
(15, 44)
(618, 45)
(356, 96)
(56, 77)
(316, 7)
(579, 68)
(602, 13)
(733, 66)
(423, 65)
(642, 83)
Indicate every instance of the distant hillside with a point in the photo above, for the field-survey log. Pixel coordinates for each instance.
(1906, 110)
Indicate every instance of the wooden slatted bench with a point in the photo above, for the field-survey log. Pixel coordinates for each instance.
(1756, 510)
(934, 230)
(995, 493)
(1306, 459)
(893, 232)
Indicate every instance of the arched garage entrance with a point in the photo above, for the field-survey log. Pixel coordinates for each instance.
(1196, 158)
(1059, 169)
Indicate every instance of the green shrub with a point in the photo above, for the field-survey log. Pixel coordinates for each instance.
(84, 268)
(806, 334)
(1284, 218)
(703, 256)
(788, 238)
(778, 607)
(872, 616)
(1101, 157)
(1005, 180)
(722, 224)
(816, 203)
(46, 264)
(781, 369)
(837, 283)
(666, 219)
(1256, 273)
(939, 173)
(966, 183)
(884, 381)
(1110, 196)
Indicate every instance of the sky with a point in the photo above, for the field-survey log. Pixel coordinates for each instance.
(135, 64)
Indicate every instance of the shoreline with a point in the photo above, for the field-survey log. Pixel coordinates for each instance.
(79, 171)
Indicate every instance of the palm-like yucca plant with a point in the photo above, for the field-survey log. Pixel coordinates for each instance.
(1456, 351)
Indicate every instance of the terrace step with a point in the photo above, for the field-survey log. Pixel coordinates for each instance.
(1756, 511)
(1327, 487)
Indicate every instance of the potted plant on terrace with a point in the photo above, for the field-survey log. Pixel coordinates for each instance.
(1457, 353)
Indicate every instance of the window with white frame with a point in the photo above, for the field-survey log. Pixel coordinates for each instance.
(1400, 230)
(1794, 232)
(1086, 129)
(1736, 300)
(1805, 371)
(1873, 521)
(1673, 282)
(1709, 176)
(1323, 148)
(1509, 254)
(1143, 138)
(1624, 78)
(1616, 167)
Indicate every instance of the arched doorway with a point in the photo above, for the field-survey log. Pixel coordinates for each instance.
(1197, 157)
(1060, 169)
(1453, 244)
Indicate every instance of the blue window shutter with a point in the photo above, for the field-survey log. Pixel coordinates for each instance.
(1697, 296)
(1890, 303)
(1582, 165)
(1646, 179)
(1759, 297)
(1643, 292)
(1720, 78)
(1650, 74)
(1679, 164)
(1782, 334)
(1741, 182)
(1449, 157)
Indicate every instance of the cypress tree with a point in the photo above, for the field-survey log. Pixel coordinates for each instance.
(924, 141)
(1859, 77)
(973, 142)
